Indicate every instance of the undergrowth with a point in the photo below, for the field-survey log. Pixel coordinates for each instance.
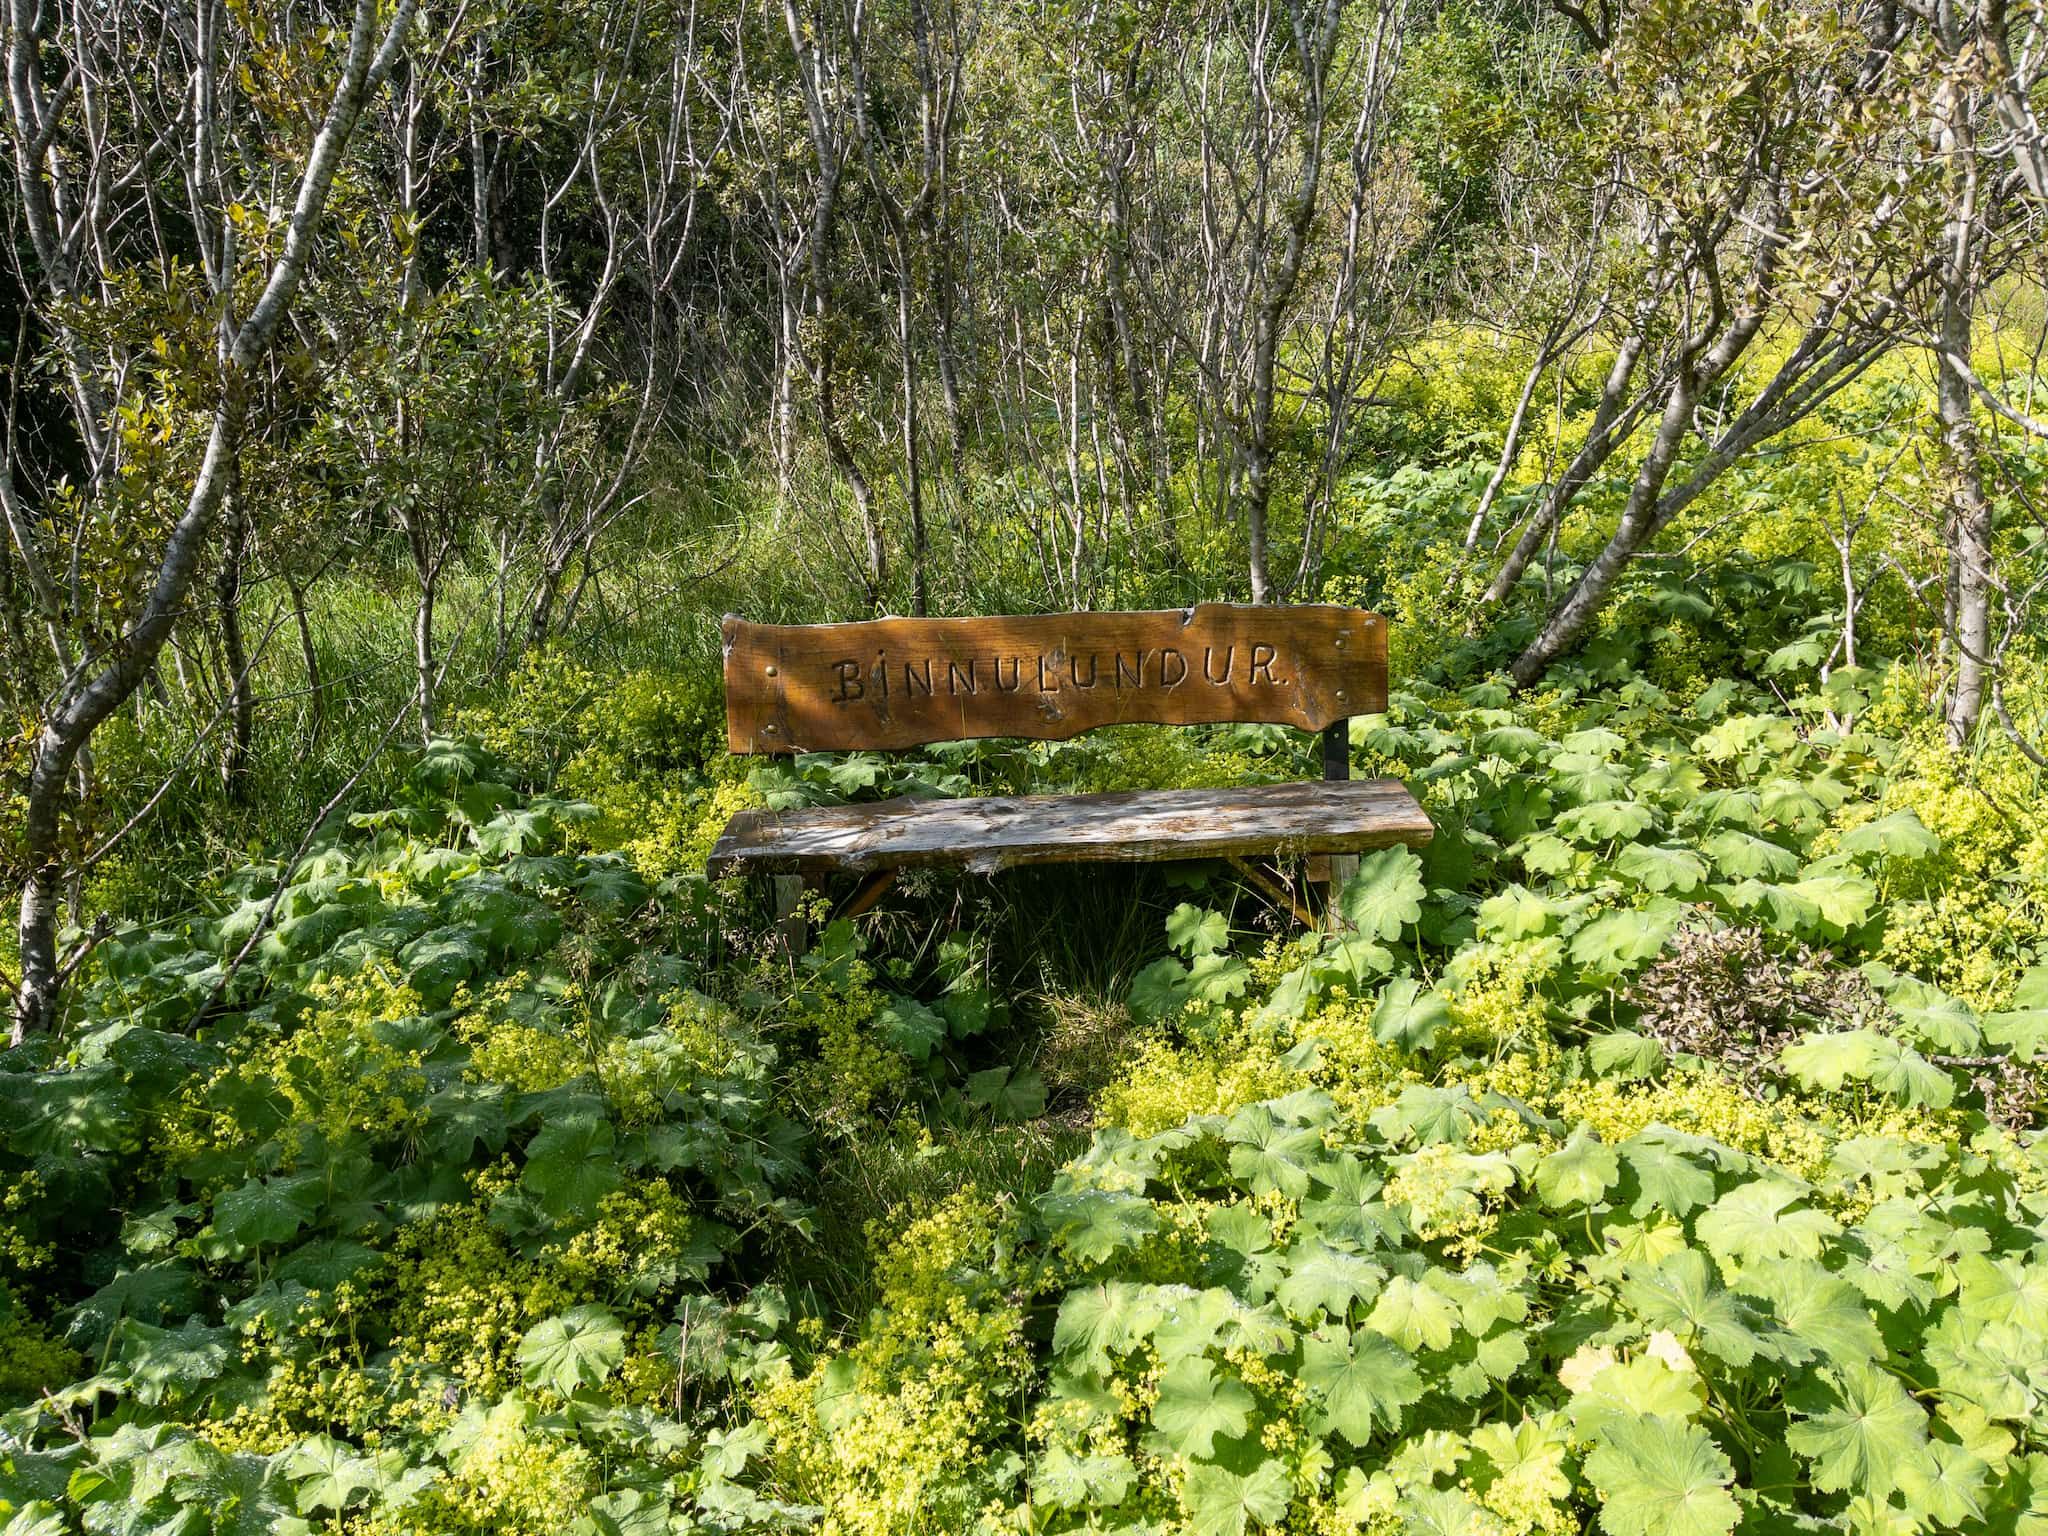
(1657, 1149)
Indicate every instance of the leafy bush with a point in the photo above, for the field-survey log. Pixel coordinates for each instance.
(1456, 1220)
(356, 1243)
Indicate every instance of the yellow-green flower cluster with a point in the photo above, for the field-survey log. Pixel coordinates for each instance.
(32, 1362)
(1166, 1082)
(336, 1075)
(894, 1433)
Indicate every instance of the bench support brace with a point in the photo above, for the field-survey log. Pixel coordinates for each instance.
(1278, 893)
(793, 924)
(870, 891)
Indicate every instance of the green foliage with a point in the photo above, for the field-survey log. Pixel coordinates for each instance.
(1688, 1328)
(1657, 1151)
(1657, 1475)
(576, 1349)
(345, 1203)
(1701, 1340)
(505, 1183)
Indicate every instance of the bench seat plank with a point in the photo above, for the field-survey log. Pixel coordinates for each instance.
(990, 833)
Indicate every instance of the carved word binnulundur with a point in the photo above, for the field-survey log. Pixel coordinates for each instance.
(888, 683)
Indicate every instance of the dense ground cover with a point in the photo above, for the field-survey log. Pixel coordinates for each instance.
(1659, 1149)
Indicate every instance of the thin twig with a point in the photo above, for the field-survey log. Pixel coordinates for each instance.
(2027, 749)
(2028, 424)
(298, 857)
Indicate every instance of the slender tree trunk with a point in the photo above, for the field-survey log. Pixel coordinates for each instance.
(586, 576)
(876, 576)
(547, 590)
(1611, 424)
(786, 363)
(62, 745)
(945, 344)
(501, 599)
(241, 687)
(17, 686)
(1969, 512)
(1511, 445)
(1259, 445)
(309, 656)
(827, 147)
(1591, 589)
(1259, 453)
(15, 656)
(913, 473)
(423, 654)
(1703, 361)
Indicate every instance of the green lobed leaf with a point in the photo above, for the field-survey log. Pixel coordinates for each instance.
(1606, 821)
(1099, 1323)
(1362, 1379)
(1620, 942)
(911, 1027)
(1195, 1405)
(1515, 913)
(1385, 895)
(1661, 1477)
(1900, 835)
(1741, 856)
(1657, 867)
(1681, 1294)
(1221, 1502)
(1821, 1313)
(1196, 931)
(1667, 1179)
(329, 1474)
(1414, 1315)
(1579, 1172)
(570, 1167)
(1858, 1427)
(572, 1349)
(1067, 1481)
(1271, 1156)
(1753, 1224)
(1095, 1223)
(1625, 1054)
(1408, 1015)
(1842, 901)
(1325, 1279)
(265, 1212)
(1012, 1093)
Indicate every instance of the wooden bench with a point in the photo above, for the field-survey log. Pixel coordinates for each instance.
(888, 684)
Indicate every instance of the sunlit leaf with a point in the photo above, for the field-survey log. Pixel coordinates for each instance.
(1385, 895)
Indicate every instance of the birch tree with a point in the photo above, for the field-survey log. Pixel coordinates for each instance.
(78, 179)
(1765, 213)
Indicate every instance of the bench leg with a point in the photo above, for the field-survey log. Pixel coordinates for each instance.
(792, 927)
(1333, 869)
(1341, 867)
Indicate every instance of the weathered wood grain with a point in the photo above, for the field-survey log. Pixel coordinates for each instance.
(890, 683)
(1001, 832)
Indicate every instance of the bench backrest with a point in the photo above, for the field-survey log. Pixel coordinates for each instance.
(892, 683)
